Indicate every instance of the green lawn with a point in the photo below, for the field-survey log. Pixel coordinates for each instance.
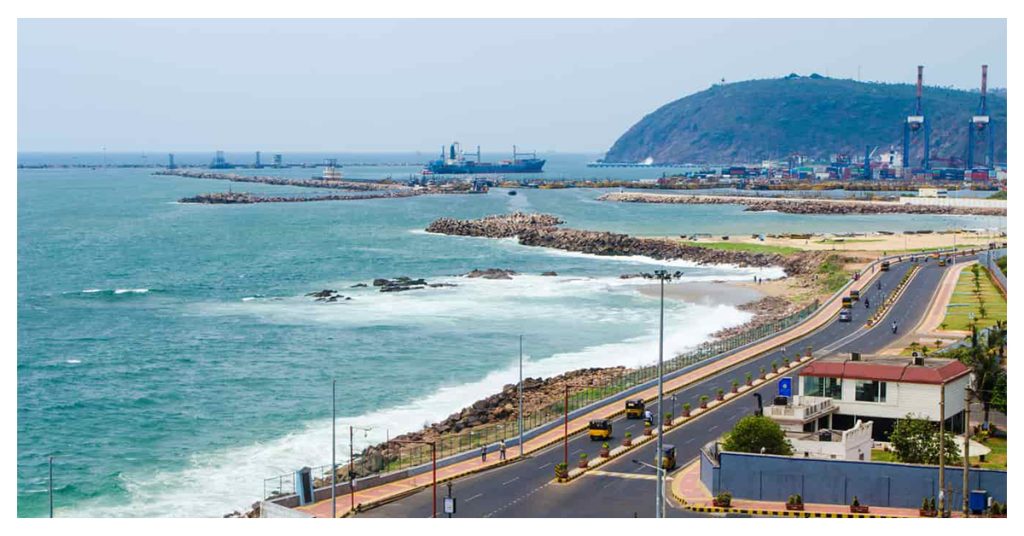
(993, 460)
(965, 301)
(738, 246)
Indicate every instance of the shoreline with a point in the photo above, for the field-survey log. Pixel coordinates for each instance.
(801, 205)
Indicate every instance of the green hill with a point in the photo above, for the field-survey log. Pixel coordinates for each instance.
(811, 115)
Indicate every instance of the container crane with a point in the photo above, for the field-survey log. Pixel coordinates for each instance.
(981, 126)
(917, 123)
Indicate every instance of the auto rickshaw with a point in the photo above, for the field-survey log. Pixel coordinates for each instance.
(668, 457)
(942, 261)
(885, 266)
(855, 295)
(635, 409)
(600, 429)
(847, 302)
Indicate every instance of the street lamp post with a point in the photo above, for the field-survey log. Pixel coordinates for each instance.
(433, 463)
(50, 486)
(334, 448)
(352, 465)
(662, 275)
(522, 448)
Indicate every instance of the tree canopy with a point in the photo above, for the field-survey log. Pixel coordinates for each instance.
(754, 432)
(916, 440)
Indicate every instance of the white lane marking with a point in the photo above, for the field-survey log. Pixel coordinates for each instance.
(474, 497)
(545, 465)
(630, 427)
(575, 451)
(510, 481)
(712, 427)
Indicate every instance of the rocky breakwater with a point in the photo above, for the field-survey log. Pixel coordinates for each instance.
(243, 198)
(496, 226)
(801, 205)
(285, 181)
(542, 230)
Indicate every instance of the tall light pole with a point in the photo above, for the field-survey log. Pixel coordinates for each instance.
(334, 449)
(662, 275)
(50, 486)
(352, 465)
(522, 447)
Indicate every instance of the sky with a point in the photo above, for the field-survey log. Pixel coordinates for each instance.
(408, 85)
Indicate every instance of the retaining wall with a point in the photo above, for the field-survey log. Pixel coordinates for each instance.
(775, 478)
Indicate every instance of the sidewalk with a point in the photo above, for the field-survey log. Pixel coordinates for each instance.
(690, 492)
(400, 488)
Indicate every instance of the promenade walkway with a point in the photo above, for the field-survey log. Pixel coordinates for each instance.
(410, 484)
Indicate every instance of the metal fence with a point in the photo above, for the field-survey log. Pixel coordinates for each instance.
(454, 443)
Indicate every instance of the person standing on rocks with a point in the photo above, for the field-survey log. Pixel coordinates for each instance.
(501, 450)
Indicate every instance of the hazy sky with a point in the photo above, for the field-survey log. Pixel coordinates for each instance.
(352, 86)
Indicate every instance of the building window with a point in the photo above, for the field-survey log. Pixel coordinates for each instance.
(828, 387)
(870, 391)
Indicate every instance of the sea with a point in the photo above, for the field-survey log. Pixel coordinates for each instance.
(169, 360)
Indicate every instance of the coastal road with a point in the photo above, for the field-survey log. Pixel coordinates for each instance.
(621, 488)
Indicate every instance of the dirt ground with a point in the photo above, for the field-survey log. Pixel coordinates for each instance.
(873, 242)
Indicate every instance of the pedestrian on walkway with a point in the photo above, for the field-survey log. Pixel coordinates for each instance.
(483, 454)
(501, 447)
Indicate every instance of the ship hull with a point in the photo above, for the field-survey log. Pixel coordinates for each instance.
(522, 166)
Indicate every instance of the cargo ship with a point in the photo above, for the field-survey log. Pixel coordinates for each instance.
(453, 162)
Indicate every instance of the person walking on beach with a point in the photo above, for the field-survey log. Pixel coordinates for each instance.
(483, 454)
(501, 450)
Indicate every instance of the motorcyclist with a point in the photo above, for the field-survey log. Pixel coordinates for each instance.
(894, 327)
(867, 303)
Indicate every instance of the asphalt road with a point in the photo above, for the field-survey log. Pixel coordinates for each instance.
(621, 488)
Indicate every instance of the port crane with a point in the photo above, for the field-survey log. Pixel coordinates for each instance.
(917, 124)
(981, 126)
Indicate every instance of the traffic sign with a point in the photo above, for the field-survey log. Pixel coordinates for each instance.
(786, 387)
(449, 505)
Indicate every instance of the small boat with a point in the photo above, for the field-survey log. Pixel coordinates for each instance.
(511, 192)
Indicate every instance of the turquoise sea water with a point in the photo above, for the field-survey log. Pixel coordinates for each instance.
(169, 361)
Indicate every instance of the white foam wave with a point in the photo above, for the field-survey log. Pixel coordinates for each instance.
(131, 290)
(218, 482)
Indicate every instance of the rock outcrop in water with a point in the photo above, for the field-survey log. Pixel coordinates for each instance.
(801, 206)
(491, 273)
(541, 230)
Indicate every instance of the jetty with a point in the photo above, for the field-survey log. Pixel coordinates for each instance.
(543, 230)
(336, 184)
(797, 205)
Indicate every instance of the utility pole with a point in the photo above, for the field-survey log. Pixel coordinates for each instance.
(565, 438)
(334, 449)
(967, 450)
(50, 486)
(522, 447)
(658, 500)
(942, 449)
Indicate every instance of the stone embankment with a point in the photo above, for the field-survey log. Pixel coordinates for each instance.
(766, 310)
(285, 181)
(801, 205)
(501, 407)
(541, 230)
(243, 198)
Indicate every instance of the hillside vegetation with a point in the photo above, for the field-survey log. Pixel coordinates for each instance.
(813, 116)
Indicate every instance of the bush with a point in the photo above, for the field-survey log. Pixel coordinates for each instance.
(754, 432)
(917, 441)
(724, 499)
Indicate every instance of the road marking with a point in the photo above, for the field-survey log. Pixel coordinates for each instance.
(510, 481)
(599, 472)
(474, 497)
(630, 426)
(545, 465)
(712, 427)
(575, 451)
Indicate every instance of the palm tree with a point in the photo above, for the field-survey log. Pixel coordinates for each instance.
(986, 362)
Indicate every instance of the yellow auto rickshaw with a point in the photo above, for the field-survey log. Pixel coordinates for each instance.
(855, 295)
(847, 302)
(885, 266)
(635, 409)
(942, 261)
(600, 429)
(668, 457)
